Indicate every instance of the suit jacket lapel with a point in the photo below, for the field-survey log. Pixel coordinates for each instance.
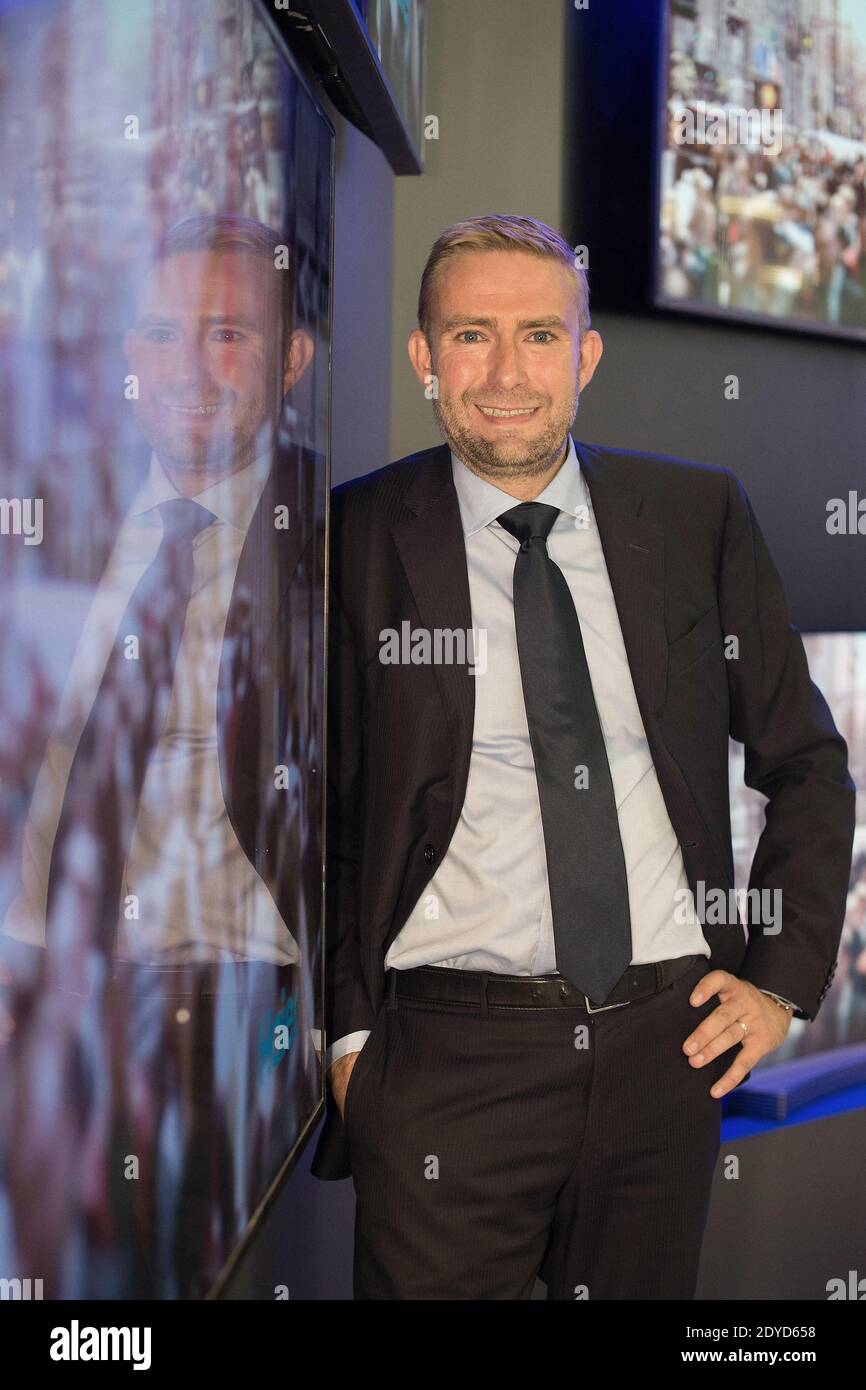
(431, 546)
(633, 550)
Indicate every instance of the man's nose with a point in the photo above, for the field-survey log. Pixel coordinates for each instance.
(505, 366)
(189, 361)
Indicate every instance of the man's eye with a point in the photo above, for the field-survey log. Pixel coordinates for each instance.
(160, 335)
(469, 332)
(542, 333)
(229, 335)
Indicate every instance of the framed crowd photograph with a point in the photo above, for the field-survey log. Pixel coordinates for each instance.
(760, 210)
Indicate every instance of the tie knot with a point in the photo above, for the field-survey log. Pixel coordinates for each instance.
(183, 518)
(529, 521)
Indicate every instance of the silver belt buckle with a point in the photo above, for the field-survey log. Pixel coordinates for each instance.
(590, 1008)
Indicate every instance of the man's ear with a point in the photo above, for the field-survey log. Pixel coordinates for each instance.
(591, 348)
(299, 355)
(420, 356)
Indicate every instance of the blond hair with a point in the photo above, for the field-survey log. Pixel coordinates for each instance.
(499, 232)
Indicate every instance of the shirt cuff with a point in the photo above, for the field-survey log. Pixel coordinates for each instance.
(350, 1042)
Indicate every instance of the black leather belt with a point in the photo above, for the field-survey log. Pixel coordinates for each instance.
(438, 984)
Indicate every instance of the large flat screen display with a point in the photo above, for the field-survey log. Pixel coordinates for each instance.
(165, 248)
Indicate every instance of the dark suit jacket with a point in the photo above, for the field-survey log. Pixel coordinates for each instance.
(270, 697)
(688, 566)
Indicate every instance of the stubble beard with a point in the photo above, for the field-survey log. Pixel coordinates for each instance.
(512, 459)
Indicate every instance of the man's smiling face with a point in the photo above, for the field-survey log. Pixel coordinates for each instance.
(206, 351)
(506, 349)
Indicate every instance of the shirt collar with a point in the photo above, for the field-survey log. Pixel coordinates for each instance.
(482, 502)
(232, 500)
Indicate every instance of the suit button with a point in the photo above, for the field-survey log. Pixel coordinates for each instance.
(429, 853)
(690, 844)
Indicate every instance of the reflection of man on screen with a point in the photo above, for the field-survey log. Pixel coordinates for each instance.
(170, 855)
(137, 831)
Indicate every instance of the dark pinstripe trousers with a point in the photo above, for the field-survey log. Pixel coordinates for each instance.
(491, 1144)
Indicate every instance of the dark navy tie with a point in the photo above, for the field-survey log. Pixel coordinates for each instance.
(585, 861)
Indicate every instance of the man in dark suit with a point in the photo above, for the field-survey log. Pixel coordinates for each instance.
(172, 852)
(538, 652)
